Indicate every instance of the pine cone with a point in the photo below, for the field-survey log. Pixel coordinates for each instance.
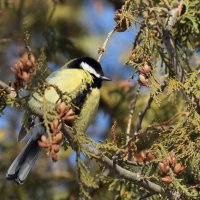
(122, 23)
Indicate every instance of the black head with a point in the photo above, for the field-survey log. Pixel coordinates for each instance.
(90, 65)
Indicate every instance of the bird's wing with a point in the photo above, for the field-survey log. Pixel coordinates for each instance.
(22, 133)
(69, 81)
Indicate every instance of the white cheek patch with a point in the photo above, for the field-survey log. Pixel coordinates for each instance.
(88, 68)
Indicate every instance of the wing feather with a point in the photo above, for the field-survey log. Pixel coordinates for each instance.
(69, 81)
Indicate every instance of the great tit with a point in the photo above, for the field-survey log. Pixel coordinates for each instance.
(81, 79)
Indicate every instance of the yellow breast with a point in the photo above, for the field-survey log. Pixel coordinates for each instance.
(88, 112)
(72, 82)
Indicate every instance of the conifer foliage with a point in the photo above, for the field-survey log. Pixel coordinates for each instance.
(152, 150)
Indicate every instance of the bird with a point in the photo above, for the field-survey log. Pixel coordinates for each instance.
(81, 79)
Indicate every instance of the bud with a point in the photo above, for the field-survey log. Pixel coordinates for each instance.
(167, 179)
(26, 55)
(141, 156)
(178, 168)
(164, 167)
(57, 139)
(171, 159)
(145, 14)
(43, 144)
(54, 156)
(56, 148)
(143, 80)
(14, 69)
(69, 115)
(25, 76)
(20, 64)
(44, 138)
(54, 125)
(61, 107)
(133, 56)
(29, 64)
(149, 156)
(145, 69)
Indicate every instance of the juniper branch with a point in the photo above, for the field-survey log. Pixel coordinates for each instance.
(131, 176)
(121, 172)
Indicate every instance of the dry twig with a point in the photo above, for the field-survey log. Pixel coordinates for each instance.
(103, 48)
(130, 118)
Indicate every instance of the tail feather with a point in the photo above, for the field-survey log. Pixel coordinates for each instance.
(23, 163)
(28, 163)
(22, 133)
(19, 160)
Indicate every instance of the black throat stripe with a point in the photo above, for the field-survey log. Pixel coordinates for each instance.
(79, 101)
(80, 98)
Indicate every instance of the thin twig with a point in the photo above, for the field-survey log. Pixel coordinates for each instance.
(137, 36)
(133, 163)
(19, 14)
(52, 12)
(27, 43)
(50, 17)
(168, 120)
(164, 30)
(142, 114)
(10, 92)
(130, 118)
(103, 48)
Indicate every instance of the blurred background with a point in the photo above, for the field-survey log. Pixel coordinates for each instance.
(66, 29)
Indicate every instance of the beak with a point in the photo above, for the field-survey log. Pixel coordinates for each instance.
(105, 78)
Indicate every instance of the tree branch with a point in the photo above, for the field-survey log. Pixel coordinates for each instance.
(131, 176)
(121, 172)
